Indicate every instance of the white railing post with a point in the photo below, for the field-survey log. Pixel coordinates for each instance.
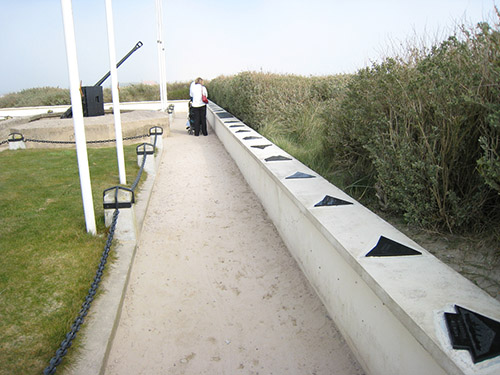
(16, 141)
(76, 104)
(161, 54)
(122, 199)
(146, 150)
(115, 94)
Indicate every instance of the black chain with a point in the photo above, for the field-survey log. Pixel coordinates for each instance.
(66, 343)
(73, 142)
(70, 336)
(6, 141)
(44, 141)
(139, 174)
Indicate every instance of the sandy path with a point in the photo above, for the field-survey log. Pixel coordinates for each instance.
(213, 289)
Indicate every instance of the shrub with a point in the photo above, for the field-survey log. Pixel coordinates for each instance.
(178, 90)
(261, 98)
(420, 133)
(418, 129)
(39, 96)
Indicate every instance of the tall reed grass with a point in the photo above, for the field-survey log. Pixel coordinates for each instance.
(418, 134)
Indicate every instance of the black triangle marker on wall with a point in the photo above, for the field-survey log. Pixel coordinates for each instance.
(277, 158)
(388, 248)
(224, 114)
(261, 146)
(299, 175)
(331, 201)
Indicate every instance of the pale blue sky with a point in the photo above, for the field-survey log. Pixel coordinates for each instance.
(209, 38)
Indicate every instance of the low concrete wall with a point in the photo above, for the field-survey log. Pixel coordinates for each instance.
(389, 309)
(180, 105)
(98, 128)
(44, 122)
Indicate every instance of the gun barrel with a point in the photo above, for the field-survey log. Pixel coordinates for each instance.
(105, 77)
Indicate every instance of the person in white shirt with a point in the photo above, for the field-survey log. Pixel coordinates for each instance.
(197, 91)
(191, 90)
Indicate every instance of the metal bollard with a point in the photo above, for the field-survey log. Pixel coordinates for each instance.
(16, 141)
(146, 150)
(123, 199)
(156, 132)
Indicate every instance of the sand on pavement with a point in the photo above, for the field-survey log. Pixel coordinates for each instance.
(213, 289)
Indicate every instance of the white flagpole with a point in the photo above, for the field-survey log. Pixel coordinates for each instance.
(76, 104)
(115, 94)
(161, 54)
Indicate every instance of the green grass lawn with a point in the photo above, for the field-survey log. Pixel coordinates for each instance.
(47, 259)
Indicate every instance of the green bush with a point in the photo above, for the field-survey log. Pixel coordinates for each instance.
(140, 92)
(178, 90)
(419, 129)
(485, 46)
(259, 98)
(39, 96)
(287, 109)
(418, 134)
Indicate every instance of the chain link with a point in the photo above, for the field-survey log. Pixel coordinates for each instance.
(73, 142)
(70, 336)
(139, 174)
(45, 141)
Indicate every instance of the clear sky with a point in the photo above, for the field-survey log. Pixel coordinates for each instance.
(209, 38)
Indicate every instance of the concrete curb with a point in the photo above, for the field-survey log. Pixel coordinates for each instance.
(100, 324)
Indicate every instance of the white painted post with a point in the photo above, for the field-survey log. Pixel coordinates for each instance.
(161, 54)
(16, 141)
(156, 137)
(146, 150)
(115, 94)
(123, 199)
(76, 104)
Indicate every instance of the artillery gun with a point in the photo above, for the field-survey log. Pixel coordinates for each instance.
(92, 97)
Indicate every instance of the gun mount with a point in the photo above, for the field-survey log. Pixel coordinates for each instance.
(96, 91)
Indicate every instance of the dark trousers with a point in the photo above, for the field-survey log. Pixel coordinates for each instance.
(200, 120)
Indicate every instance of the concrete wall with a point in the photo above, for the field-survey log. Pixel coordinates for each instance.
(389, 309)
(35, 123)
(126, 106)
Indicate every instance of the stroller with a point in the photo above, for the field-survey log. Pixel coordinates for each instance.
(190, 121)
